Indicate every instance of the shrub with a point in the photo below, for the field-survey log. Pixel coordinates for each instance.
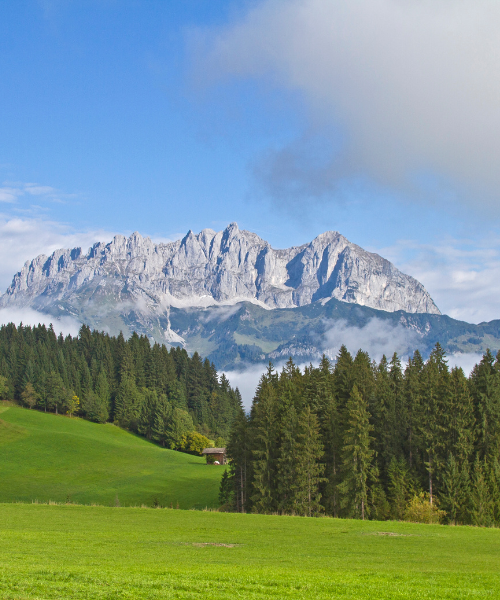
(420, 510)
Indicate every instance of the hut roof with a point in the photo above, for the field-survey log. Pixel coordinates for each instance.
(214, 451)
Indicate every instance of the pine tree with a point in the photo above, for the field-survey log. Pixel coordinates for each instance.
(435, 402)
(264, 435)
(56, 392)
(482, 505)
(485, 387)
(102, 390)
(287, 455)
(494, 471)
(239, 454)
(401, 487)
(455, 492)
(128, 403)
(357, 457)
(226, 490)
(383, 409)
(343, 377)
(308, 469)
(162, 428)
(94, 408)
(461, 420)
(413, 403)
(147, 413)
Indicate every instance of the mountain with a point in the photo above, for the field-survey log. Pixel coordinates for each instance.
(215, 293)
(215, 268)
(235, 336)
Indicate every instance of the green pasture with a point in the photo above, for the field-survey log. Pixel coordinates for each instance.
(49, 457)
(91, 552)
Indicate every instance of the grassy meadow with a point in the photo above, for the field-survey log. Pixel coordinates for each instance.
(49, 457)
(74, 550)
(96, 552)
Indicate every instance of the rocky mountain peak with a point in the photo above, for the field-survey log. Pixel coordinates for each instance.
(211, 267)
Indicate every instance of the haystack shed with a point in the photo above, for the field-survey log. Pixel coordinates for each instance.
(215, 455)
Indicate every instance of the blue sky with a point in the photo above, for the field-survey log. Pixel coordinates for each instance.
(376, 118)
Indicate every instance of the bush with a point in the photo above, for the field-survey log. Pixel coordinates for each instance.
(195, 442)
(420, 510)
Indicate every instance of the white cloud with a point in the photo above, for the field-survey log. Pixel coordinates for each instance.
(377, 338)
(28, 316)
(8, 194)
(11, 192)
(410, 88)
(462, 277)
(219, 313)
(466, 361)
(24, 239)
(246, 380)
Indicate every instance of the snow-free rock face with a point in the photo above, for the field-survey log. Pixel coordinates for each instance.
(213, 268)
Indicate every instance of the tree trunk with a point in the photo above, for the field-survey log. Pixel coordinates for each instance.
(430, 478)
(309, 491)
(242, 494)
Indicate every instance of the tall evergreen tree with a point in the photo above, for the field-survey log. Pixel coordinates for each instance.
(357, 457)
(308, 469)
(264, 451)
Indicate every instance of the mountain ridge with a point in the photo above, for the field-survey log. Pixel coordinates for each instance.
(211, 267)
(234, 299)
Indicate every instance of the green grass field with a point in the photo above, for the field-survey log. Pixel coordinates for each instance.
(48, 457)
(89, 552)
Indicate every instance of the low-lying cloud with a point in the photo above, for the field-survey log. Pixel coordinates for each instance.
(28, 316)
(246, 380)
(377, 337)
(405, 93)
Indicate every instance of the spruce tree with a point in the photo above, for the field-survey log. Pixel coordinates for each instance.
(482, 503)
(308, 469)
(238, 450)
(94, 408)
(455, 491)
(485, 387)
(264, 451)
(287, 457)
(435, 390)
(401, 487)
(357, 456)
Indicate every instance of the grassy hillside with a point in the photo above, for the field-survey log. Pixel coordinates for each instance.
(95, 552)
(49, 457)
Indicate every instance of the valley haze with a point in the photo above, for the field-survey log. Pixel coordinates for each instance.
(237, 301)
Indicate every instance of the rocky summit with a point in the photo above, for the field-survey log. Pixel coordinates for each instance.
(224, 267)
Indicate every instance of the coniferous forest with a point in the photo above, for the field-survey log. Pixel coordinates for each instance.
(351, 439)
(165, 395)
(371, 441)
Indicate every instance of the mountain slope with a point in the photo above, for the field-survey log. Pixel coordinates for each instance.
(236, 336)
(139, 280)
(212, 293)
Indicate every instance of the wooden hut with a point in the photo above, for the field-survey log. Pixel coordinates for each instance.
(215, 455)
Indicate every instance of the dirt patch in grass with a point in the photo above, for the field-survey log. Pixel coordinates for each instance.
(219, 544)
(390, 534)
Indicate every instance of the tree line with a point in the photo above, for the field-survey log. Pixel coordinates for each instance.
(160, 393)
(362, 440)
